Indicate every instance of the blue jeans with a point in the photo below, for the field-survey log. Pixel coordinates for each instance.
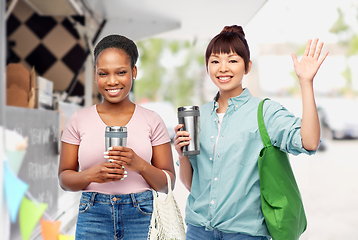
(198, 233)
(103, 216)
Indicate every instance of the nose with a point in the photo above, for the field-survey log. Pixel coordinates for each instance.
(112, 80)
(223, 67)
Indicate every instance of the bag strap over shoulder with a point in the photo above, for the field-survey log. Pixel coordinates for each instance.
(260, 119)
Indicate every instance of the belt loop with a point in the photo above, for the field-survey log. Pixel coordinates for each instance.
(135, 203)
(92, 198)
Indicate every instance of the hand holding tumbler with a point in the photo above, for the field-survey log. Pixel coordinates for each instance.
(189, 116)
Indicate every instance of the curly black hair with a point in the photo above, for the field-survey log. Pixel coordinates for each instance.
(119, 42)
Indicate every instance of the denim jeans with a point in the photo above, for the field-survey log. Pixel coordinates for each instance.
(199, 233)
(103, 216)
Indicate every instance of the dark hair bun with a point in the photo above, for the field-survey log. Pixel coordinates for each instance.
(230, 39)
(233, 29)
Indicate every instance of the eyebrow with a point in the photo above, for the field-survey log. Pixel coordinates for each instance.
(230, 55)
(118, 68)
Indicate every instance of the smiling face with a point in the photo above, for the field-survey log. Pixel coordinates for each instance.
(114, 75)
(227, 72)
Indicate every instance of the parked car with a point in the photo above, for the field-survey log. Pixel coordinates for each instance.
(340, 116)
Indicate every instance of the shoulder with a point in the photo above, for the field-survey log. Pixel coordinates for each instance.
(275, 110)
(82, 114)
(85, 111)
(207, 106)
(148, 116)
(152, 119)
(271, 106)
(146, 112)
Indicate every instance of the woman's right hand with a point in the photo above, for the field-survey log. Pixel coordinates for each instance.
(106, 172)
(181, 139)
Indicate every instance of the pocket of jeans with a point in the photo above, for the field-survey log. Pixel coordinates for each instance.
(145, 207)
(84, 205)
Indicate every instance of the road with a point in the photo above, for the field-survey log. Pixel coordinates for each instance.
(328, 182)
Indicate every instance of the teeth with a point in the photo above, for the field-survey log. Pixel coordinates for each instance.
(224, 78)
(112, 90)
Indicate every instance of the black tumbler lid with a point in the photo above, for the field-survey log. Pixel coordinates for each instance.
(116, 129)
(188, 111)
(188, 108)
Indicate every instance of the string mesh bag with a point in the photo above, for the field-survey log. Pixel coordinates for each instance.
(167, 221)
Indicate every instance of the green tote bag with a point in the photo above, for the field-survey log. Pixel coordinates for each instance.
(281, 200)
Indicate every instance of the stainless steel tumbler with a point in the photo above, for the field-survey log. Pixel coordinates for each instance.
(190, 117)
(115, 136)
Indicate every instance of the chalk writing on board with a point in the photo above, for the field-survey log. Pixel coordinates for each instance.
(39, 136)
(46, 197)
(40, 165)
(42, 170)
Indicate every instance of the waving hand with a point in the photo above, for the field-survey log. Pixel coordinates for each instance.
(307, 68)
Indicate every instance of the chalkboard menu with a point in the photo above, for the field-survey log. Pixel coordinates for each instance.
(40, 165)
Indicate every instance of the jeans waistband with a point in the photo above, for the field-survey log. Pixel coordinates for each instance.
(132, 198)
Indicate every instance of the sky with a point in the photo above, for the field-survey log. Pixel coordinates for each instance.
(294, 22)
(297, 21)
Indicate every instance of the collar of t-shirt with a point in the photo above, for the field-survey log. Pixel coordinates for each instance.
(220, 119)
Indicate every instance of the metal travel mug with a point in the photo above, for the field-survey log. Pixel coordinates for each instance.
(190, 117)
(115, 136)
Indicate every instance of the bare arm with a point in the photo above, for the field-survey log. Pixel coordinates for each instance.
(306, 70)
(162, 159)
(185, 169)
(73, 180)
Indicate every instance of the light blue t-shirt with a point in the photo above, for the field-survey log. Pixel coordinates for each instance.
(225, 190)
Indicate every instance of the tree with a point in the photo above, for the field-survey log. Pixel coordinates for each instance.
(349, 40)
(170, 70)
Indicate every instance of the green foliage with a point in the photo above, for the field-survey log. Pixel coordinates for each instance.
(201, 60)
(181, 86)
(349, 39)
(150, 54)
(353, 45)
(175, 82)
(294, 90)
(174, 46)
(301, 50)
(340, 25)
(347, 74)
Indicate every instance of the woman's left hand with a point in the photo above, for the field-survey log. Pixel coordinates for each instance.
(127, 158)
(307, 68)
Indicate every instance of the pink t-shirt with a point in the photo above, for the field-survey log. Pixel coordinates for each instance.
(86, 129)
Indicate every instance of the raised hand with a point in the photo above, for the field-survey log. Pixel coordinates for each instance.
(307, 68)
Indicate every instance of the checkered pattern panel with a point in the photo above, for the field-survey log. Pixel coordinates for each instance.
(51, 44)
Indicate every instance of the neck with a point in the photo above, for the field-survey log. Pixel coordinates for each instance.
(123, 106)
(224, 98)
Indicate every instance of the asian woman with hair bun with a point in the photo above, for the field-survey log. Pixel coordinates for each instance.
(224, 200)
